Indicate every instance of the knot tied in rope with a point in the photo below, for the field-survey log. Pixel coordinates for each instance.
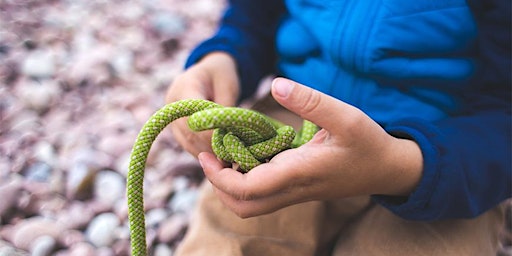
(240, 136)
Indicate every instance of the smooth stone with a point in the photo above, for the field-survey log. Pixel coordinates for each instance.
(184, 201)
(76, 216)
(109, 187)
(168, 24)
(172, 228)
(10, 192)
(162, 250)
(28, 230)
(39, 64)
(155, 216)
(7, 249)
(80, 181)
(105, 251)
(121, 247)
(82, 249)
(43, 246)
(45, 152)
(39, 172)
(38, 95)
(101, 231)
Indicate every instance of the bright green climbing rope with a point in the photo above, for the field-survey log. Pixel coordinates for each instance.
(240, 136)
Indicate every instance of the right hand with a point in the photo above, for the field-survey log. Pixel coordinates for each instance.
(213, 78)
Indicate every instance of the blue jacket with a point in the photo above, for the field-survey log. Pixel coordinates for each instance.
(437, 72)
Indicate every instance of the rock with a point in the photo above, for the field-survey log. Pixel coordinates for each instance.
(183, 201)
(28, 203)
(10, 192)
(180, 183)
(160, 192)
(10, 251)
(76, 94)
(38, 95)
(70, 237)
(7, 249)
(51, 205)
(29, 230)
(172, 228)
(76, 216)
(123, 232)
(26, 121)
(122, 63)
(105, 251)
(168, 24)
(39, 172)
(121, 247)
(82, 249)
(80, 181)
(43, 246)
(122, 163)
(114, 144)
(39, 64)
(109, 187)
(162, 250)
(184, 198)
(45, 152)
(101, 231)
(155, 216)
(121, 208)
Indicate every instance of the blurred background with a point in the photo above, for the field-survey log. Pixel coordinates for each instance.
(78, 79)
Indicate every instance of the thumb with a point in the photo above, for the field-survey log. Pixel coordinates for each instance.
(319, 108)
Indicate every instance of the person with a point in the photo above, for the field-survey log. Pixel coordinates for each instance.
(413, 98)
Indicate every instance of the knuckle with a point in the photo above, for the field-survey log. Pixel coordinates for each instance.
(241, 212)
(353, 123)
(311, 100)
(246, 195)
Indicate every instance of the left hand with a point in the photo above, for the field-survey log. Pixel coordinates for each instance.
(352, 155)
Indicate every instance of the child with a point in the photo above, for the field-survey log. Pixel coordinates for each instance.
(414, 102)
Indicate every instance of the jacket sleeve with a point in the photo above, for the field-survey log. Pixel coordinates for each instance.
(246, 31)
(467, 158)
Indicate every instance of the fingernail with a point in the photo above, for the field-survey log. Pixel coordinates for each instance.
(200, 159)
(282, 87)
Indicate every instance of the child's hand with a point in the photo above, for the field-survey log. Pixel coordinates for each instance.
(352, 155)
(213, 78)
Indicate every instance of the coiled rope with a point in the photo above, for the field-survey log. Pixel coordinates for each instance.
(245, 137)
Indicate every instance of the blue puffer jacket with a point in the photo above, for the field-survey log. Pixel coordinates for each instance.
(413, 54)
(435, 71)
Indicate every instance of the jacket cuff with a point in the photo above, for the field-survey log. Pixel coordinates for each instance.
(414, 206)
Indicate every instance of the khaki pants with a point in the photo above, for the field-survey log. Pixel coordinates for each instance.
(352, 226)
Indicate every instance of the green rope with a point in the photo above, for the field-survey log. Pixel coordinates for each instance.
(240, 136)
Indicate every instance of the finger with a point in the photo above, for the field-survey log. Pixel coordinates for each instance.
(192, 142)
(266, 180)
(321, 109)
(229, 186)
(225, 89)
(186, 89)
(252, 208)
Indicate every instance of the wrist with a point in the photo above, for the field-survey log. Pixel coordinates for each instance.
(404, 167)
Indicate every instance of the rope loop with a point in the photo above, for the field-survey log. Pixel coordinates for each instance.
(242, 136)
(245, 137)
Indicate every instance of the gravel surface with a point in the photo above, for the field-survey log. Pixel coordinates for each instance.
(78, 81)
